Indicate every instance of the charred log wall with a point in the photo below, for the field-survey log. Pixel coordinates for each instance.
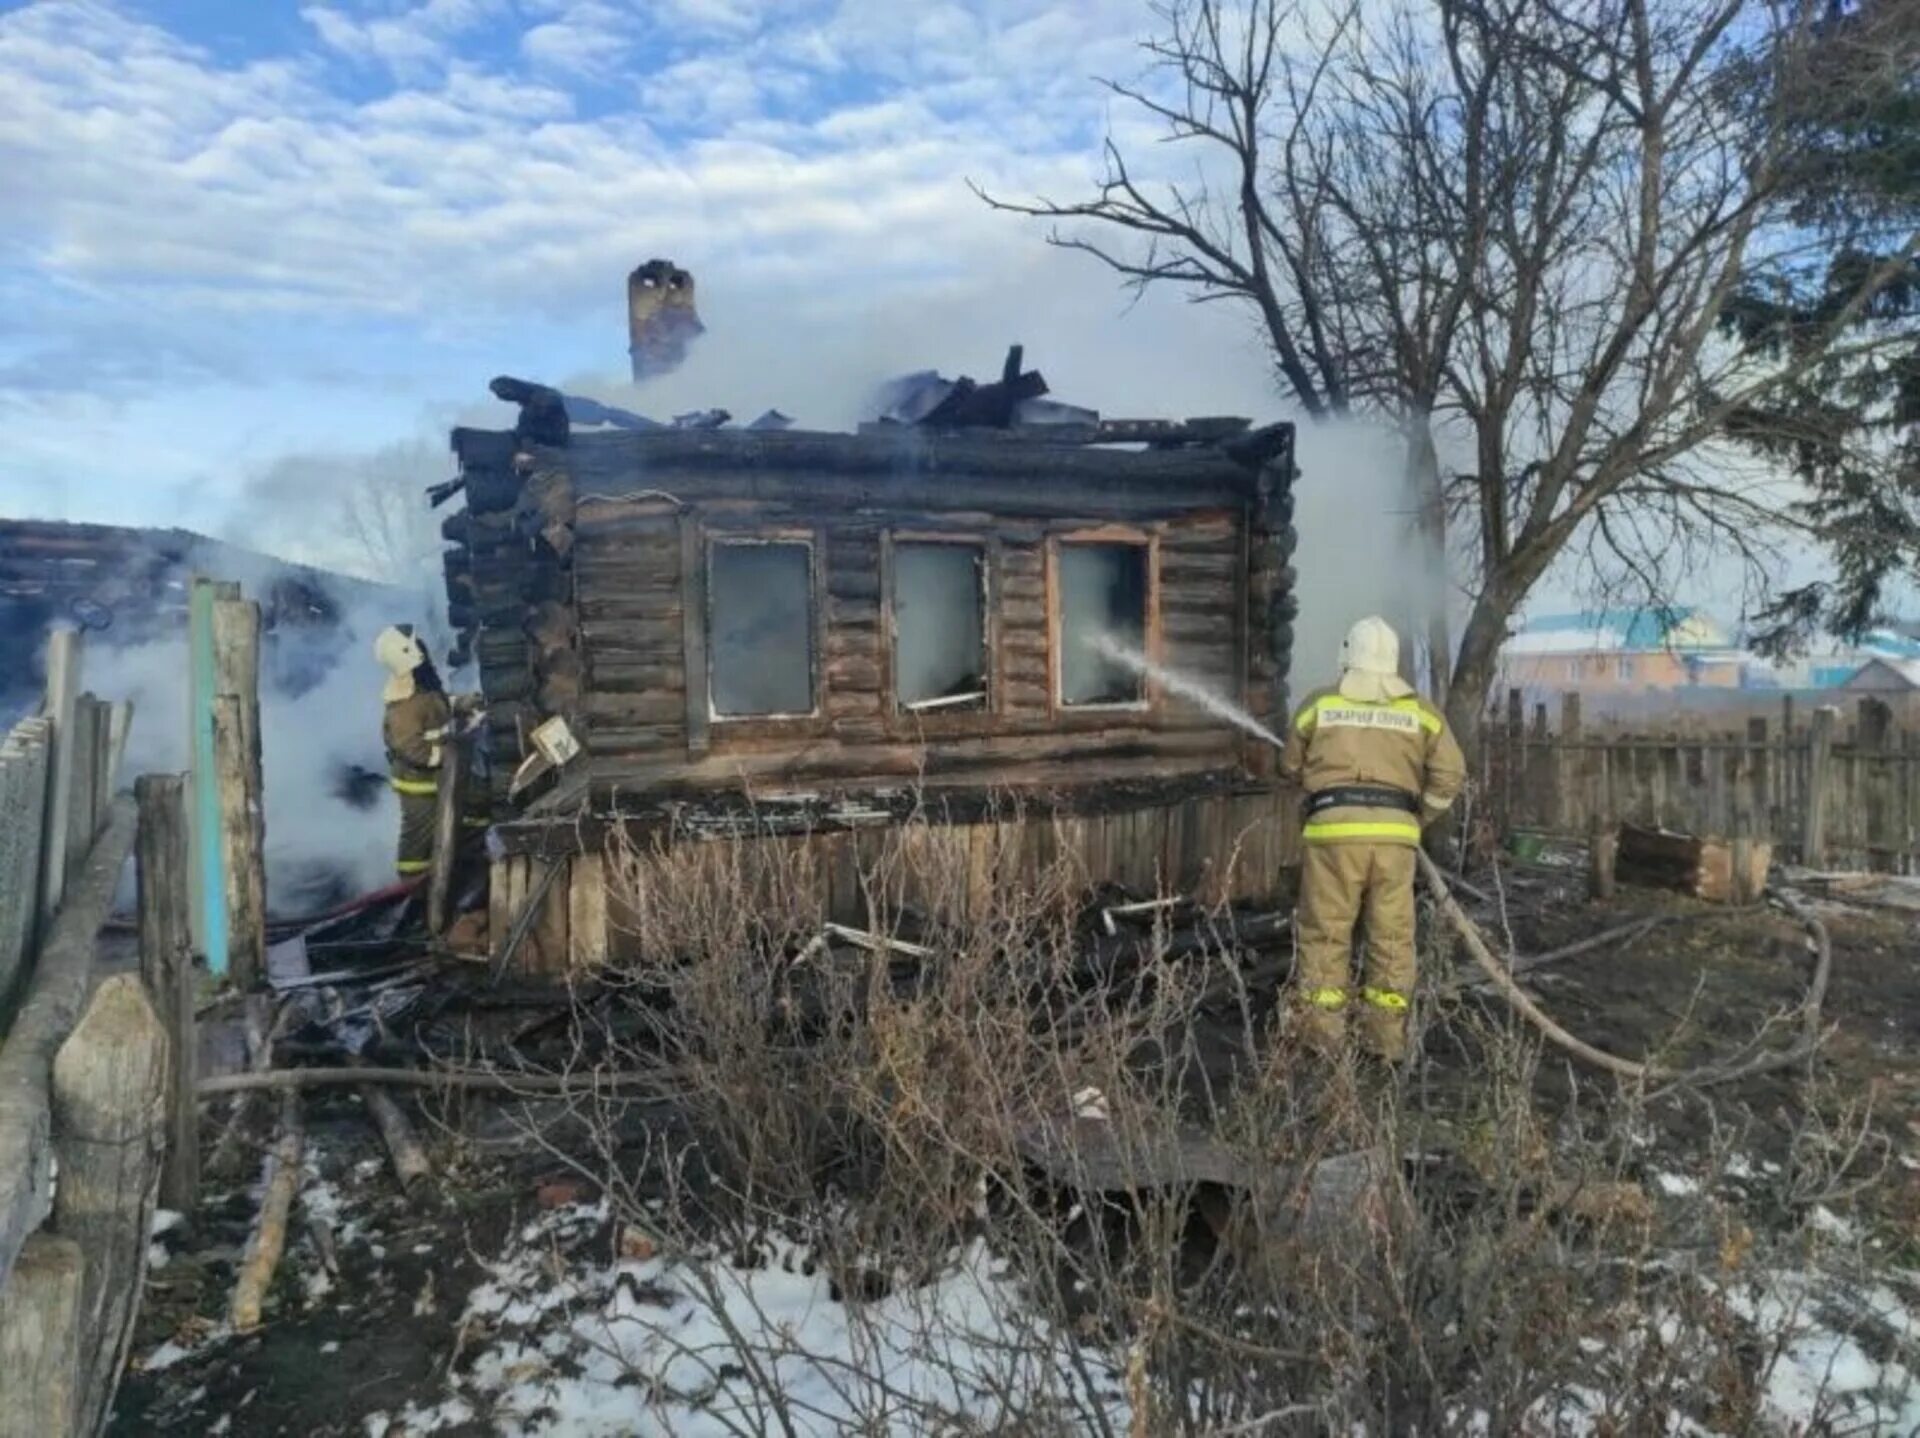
(510, 587)
(579, 573)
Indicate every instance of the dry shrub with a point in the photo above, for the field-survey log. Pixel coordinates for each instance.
(1207, 1231)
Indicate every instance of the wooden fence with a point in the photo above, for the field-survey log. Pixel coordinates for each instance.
(57, 776)
(83, 1069)
(1829, 789)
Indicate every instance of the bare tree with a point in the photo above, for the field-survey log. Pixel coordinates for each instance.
(1514, 228)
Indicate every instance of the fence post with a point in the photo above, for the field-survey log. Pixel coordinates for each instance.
(1515, 765)
(1761, 778)
(24, 757)
(83, 794)
(1875, 723)
(1538, 776)
(238, 838)
(236, 662)
(1574, 807)
(447, 833)
(166, 962)
(1603, 848)
(109, 1104)
(1819, 762)
(39, 1339)
(63, 695)
(209, 882)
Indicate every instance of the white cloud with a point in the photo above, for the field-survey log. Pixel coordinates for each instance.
(258, 220)
(589, 39)
(408, 41)
(481, 189)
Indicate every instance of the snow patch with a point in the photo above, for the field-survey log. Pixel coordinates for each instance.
(695, 1346)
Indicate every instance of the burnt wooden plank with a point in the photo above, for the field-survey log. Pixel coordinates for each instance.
(658, 635)
(637, 676)
(696, 705)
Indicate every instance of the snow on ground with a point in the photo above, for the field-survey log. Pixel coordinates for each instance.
(1820, 1375)
(697, 1346)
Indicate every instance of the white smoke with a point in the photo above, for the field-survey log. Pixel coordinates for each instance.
(304, 738)
(1359, 550)
(320, 709)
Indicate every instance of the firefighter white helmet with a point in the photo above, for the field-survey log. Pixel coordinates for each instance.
(399, 654)
(398, 651)
(1370, 662)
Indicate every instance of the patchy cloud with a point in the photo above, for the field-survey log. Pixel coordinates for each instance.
(365, 216)
(409, 39)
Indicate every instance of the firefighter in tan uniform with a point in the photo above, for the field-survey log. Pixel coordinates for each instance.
(1378, 764)
(414, 727)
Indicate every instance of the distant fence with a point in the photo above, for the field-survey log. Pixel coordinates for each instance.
(1705, 709)
(1829, 789)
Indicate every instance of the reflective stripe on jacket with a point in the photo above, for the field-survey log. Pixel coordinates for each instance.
(1401, 744)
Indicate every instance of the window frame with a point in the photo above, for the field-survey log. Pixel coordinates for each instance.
(934, 723)
(1150, 699)
(711, 538)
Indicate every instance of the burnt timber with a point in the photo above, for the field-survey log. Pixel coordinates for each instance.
(577, 576)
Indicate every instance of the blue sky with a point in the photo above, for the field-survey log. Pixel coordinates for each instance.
(238, 231)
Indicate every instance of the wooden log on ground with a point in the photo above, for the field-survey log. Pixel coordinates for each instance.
(410, 1163)
(166, 963)
(109, 1112)
(53, 1005)
(1716, 870)
(39, 1339)
(280, 1183)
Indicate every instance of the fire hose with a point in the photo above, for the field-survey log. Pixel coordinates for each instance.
(1812, 1026)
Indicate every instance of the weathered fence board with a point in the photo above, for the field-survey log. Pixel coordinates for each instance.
(40, 1339)
(24, 759)
(166, 963)
(109, 1109)
(83, 1096)
(53, 1005)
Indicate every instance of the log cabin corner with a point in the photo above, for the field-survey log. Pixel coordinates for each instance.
(795, 637)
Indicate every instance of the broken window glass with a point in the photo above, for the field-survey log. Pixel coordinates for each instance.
(760, 627)
(939, 627)
(1103, 616)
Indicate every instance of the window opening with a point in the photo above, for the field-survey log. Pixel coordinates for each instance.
(939, 627)
(1103, 613)
(760, 627)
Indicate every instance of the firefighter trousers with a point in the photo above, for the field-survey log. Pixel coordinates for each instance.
(419, 819)
(1344, 884)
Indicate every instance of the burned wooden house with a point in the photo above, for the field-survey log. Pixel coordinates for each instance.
(830, 630)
